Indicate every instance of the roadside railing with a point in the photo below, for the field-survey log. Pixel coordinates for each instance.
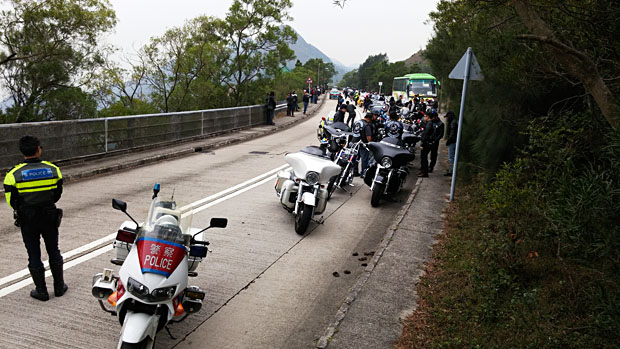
(70, 139)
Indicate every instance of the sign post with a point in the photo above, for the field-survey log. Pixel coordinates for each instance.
(309, 81)
(466, 69)
(380, 84)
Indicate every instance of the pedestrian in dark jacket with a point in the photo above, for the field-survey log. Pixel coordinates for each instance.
(340, 114)
(351, 111)
(295, 101)
(425, 145)
(306, 100)
(453, 128)
(438, 132)
(290, 106)
(270, 104)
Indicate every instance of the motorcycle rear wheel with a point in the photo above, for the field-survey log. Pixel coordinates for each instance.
(377, 193)
(302, 219)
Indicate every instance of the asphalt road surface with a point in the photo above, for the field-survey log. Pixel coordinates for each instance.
(265, 285)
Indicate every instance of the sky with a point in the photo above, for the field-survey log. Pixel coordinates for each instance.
(362, 28)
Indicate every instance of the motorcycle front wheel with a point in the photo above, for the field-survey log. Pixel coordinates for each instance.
(377, 192)
(302, 219)
(331, 186)
(141, 345)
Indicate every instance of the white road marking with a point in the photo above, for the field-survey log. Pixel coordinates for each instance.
(192, 208)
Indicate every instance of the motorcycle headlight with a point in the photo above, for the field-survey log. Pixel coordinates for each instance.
(386, 162)
(312, 178)
(137, 289)
(162, 294)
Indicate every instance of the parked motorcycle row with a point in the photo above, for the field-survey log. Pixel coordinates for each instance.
(151, 289)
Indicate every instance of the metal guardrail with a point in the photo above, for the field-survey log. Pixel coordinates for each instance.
(69, 139)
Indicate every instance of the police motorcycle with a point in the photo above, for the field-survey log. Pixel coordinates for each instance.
(303, 191)
(156, 257)
(387, 176)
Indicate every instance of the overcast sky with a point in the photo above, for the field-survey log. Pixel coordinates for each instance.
(349, 35)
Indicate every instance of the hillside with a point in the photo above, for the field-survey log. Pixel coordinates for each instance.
(419, 59)
(305, 51)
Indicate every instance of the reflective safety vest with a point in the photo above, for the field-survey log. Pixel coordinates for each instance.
(34, 184)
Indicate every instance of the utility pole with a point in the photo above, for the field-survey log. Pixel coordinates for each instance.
(318, 75)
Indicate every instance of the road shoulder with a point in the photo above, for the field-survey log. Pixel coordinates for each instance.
(371, 316)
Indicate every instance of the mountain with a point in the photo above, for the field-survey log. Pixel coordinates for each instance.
(305, 51)
(419, 59)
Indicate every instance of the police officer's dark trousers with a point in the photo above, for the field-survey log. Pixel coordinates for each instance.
(36, 223)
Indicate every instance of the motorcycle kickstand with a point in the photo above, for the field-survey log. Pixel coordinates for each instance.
(170, 333)
(319, 221)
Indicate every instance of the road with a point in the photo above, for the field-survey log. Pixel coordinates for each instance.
(265, 285)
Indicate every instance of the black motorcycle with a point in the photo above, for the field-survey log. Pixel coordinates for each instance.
(335, 137)
(388, 174)
(347, 160)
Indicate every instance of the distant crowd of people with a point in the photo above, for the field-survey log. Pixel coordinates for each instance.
(292, 102)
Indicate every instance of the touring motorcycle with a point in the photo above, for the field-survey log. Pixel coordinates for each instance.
(303, 191)
(388, 174)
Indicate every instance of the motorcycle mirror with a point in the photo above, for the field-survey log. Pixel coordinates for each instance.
(218, 222)
(119, 205)
(122, 206)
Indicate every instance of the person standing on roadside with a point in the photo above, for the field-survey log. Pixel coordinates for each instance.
(438, 132)
(270, 104)
(306, 100)
(340, 102)
(425, 145)
(453, 127)
(363, 128)
(290, 111)
(367, 102)
(295, 101)
(32, 189)
(351, 111)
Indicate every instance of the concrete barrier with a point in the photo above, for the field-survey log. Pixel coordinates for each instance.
(71, 139)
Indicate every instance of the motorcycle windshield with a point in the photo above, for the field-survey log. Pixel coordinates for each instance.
(161, 243)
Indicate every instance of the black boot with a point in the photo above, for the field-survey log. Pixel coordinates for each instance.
(59, 283)
(40, 291)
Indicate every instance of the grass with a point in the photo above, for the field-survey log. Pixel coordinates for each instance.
(473, 296)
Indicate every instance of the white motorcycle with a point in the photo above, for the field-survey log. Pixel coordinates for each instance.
(156, 258)
(303, 191)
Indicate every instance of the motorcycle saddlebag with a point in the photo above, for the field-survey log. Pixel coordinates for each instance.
(281, 177)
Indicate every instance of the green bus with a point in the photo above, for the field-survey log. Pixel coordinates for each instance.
(424, 85)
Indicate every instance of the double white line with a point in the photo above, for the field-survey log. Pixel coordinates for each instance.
(103, 245)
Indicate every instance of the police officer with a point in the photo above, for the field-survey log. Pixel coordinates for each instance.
(32, 188)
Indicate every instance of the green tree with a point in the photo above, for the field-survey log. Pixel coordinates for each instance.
(49, 46)
(177, 59)
(258, 42)
(323, 72)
